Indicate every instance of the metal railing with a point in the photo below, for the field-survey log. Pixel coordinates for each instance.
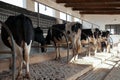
(12, 50)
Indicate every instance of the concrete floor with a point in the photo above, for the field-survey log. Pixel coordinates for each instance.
(99, 67)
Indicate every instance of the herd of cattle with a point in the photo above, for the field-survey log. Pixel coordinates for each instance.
(23, 33)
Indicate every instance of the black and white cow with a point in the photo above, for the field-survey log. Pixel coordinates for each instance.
(105, 41)
(22, 30)
(39, 37)
(91, 37)
(71, 30)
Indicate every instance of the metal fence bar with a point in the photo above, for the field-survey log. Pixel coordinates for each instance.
(13, 50)
(67, 13)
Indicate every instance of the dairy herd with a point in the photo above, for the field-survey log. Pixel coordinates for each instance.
(24, 34)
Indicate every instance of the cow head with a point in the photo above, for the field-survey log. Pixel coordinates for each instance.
(39, 37)
(97, 33)
(105, 35)
(104, 41)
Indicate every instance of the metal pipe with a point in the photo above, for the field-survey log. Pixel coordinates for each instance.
(65, 12)
(13, 50)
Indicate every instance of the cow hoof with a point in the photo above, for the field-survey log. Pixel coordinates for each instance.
(19, 77)
(59, 58)
(27, 76)
(55, 59)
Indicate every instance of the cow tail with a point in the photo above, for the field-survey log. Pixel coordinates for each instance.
(8, 32)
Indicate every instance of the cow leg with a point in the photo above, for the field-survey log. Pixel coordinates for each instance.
(56, 51)
(78, 46)
(74, 52)
(18, 51)
(108, 48)
(20, 61)
(96, 47)
(26, 58)
(89, 50)
(59, 52)
(75, 49)
(90, 46)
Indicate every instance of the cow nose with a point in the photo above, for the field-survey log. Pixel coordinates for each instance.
(43, 50)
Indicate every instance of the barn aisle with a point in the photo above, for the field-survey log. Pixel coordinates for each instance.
(114, 73)
(108, 69)
(101, 70)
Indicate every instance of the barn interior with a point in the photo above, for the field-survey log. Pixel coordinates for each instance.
(102, 14)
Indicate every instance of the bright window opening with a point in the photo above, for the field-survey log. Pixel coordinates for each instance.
(77, 20)
(62, 16)
(20, 3)
(69, 18)
(44, 10)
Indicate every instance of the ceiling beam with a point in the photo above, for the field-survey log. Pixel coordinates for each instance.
(92, 5)
(79, 1)
(101, 9)
(99, 12)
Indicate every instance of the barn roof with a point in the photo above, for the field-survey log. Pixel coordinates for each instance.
(93, 6)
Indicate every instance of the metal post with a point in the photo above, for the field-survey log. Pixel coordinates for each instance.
(67, 50)
(66, 17)
(38, 20)
(14, 59)
(66, 37)
(38, 15)
(13, 50)
(82, 23)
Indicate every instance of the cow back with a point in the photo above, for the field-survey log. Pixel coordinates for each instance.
(21, 28)
(55, 32)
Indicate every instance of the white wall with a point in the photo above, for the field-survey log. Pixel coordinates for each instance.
(102, 20)
(30, 5)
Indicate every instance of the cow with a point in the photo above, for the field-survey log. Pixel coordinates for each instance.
(39, 37)
(22, 31)
(105, 41)
(90, 37)
(56, 35)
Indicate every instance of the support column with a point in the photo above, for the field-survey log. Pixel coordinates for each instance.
(30, 5)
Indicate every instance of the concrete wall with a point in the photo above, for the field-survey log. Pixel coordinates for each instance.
(102, 20)
(30, 5)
